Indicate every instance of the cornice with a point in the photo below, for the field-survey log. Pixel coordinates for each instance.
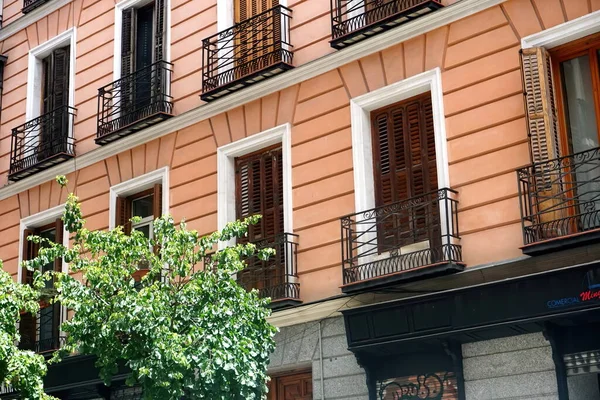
(304, 72)
(33, 16)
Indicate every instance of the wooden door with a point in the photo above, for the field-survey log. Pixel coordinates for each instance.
(405, 167)
(291, 387)
(254, 40)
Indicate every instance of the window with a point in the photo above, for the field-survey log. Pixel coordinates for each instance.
(404, 165)
(40, 332)
(146, 204)
(291, 387)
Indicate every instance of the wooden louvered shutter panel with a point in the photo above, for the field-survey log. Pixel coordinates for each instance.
(157, 201)
(160, 29)
(123, 214)
(127, 53)
(61, 77)
(27, 330)
(59, 227)
(542, 124)
(29, 251)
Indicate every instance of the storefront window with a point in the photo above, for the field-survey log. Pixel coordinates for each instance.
(432, 386)
(583, 375)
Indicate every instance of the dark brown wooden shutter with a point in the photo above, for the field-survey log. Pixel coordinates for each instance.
(404, 151)
(29, 251)
(127, 42)
(123, 214)
(259, 190)
(160, 30)
(59, 226)
(157, 201)
(27, 330)
(60, 77)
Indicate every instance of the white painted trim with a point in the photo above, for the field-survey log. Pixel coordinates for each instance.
(304, 72)
(34, 71)
(226, 173)
(35, 221)
(31, 17)
(136, 185)
(119, 7)
(362, 154)
(564, 33)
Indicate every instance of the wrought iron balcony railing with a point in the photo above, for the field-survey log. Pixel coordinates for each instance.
(404, 240)
(30, 5)
(277, 277)
(246, 53)
(42, 142)
(134, 102)
(46, 336)
(560, 198)
(356, 20)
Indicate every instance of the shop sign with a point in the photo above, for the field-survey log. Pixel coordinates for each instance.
(590, 291)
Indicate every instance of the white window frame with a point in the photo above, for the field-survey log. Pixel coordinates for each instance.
(565, 32)
(123, 5)
(35, 221)
(362, 152)
(35, 67)
(226, 211)
(136, 185)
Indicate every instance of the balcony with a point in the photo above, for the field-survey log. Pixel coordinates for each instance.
(402, 241)
(247, 53)
(41, 334)
(276, 278)
(30, 5)
(41, 143)
(560, 202)
(356, 20)
(134, 102)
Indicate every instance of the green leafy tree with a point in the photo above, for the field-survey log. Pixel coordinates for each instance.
(184, 329)
(21, 370)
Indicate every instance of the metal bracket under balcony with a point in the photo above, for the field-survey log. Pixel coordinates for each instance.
(247, 53)
(560, 202)
(277, 277)
(134, 102)
(42, 143)
(403, 241)
(356, 20)
(30, 5)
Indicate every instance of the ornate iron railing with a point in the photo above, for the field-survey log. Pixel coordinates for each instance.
(348, 16)
(41, 141)
(276, 277)
(47, 337)
(401, 237)
(560, 197)
(241, 52)
(29, 5)
(134, 98)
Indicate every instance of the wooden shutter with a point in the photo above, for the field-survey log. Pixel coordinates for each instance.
(245, 9)
(27, 330)
(123, 214)
(540, 105)
(160, 29)
(542, 124)
(29, 251)
(259, 190)
(59, 226)
(404, 151)
(144, 50)
(127, 42)
(60, 77)
(157, 201)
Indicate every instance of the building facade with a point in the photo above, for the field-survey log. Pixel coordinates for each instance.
(428, 172)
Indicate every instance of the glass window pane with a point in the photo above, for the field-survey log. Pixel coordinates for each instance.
(145, 229)
(142, 207)
(579, 104)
